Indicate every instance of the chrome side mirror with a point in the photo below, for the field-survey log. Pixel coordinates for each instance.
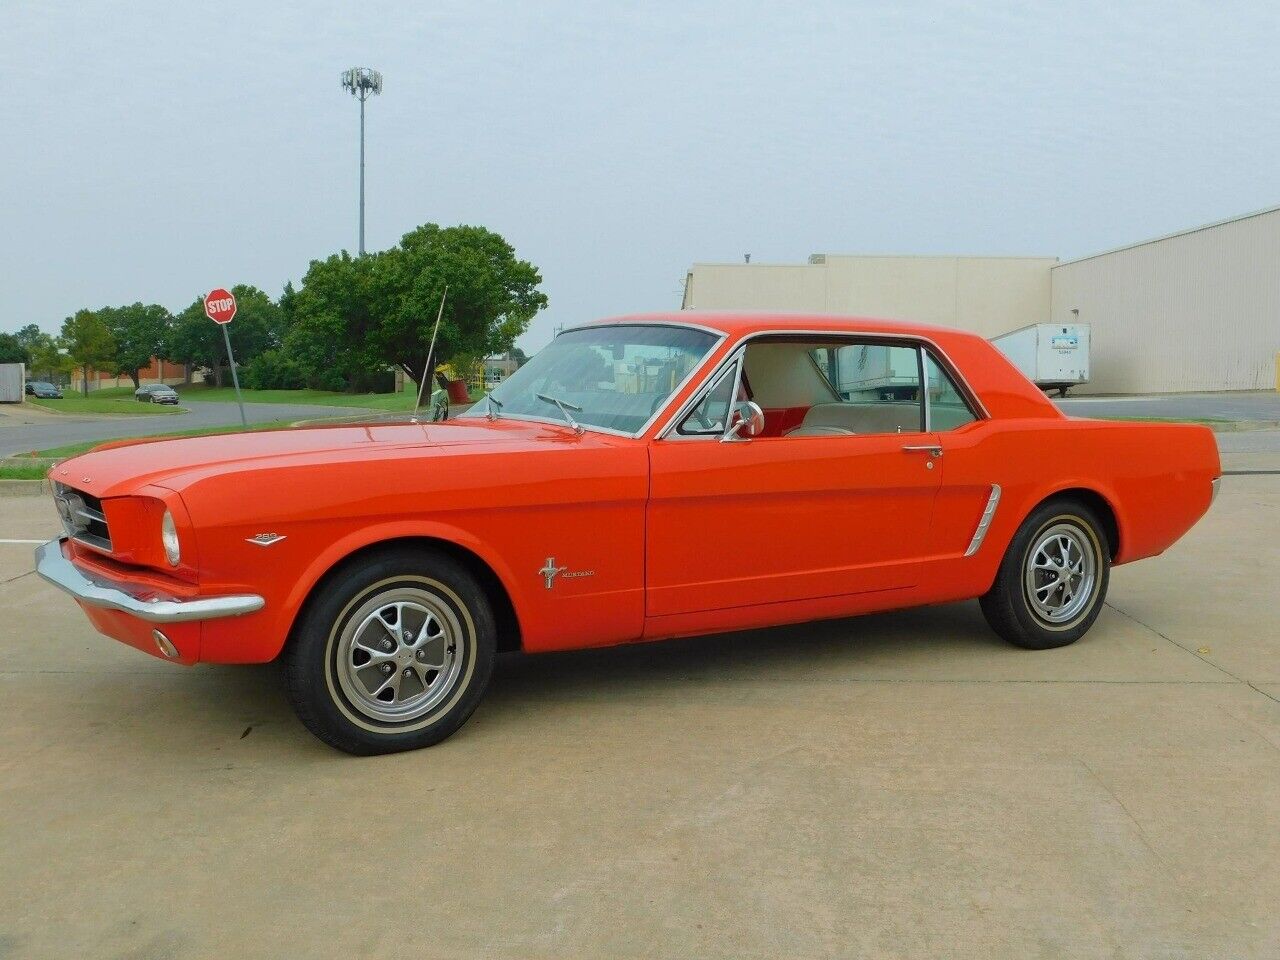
(746, 420)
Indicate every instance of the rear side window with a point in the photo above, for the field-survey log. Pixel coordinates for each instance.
(948, 408)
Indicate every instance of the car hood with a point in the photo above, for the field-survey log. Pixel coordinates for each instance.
(118, 468)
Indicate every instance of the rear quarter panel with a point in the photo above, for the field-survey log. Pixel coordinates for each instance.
(1156, 478)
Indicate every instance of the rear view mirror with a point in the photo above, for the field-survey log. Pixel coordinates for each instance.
(746, 420)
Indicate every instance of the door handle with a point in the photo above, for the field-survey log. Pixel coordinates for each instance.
(930, 448)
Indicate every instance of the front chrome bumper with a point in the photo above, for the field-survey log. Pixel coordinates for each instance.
(53, 566)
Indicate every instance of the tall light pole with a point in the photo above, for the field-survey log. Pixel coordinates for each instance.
(362, 84)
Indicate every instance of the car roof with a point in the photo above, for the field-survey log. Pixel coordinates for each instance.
(990, 376)
(737, 323)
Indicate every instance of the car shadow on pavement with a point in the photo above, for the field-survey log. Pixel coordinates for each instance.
(826, 649)
(231, 712)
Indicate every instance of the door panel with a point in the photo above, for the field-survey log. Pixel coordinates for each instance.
(785, 518)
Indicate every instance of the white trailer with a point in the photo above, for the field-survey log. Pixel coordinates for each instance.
(873, 371)
(1053, 356)
(13, 382)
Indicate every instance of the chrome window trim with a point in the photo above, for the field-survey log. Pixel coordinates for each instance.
(668, 432)
(984, 522)
(922, 368)
(623, 322)
(720, 336)
(967, 394)
(913, 339)
(710, 386)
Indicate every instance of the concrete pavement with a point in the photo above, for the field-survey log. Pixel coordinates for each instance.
(890, 786)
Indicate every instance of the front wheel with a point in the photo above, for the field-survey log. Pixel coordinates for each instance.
(394, 652)
(1053, 579)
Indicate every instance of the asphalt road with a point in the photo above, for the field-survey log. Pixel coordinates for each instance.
(23, 429)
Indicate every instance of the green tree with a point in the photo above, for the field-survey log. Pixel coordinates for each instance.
(332, 316)
(492, 296)
(196, 340)
(139, 332)
(44, 359)
(31, 337)
(12, 350)
(353, 315)
(48, 361)
(87, 342)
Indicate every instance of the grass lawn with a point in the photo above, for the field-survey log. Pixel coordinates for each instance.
(117, 401)
(198, 392)
(17, 471)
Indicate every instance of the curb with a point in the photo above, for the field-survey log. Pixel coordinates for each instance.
(1243, 426)
(23, 488)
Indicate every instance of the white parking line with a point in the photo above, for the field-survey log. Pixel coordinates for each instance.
(24, 541)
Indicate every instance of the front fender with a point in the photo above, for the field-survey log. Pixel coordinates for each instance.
(371, 536)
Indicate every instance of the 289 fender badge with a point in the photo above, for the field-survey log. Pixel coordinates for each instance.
(264, 539)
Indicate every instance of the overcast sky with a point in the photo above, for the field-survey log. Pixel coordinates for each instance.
(154, 150)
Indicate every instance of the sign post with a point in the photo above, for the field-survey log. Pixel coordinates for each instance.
(220, 307)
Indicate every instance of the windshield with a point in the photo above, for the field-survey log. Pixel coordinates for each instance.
(615, 376)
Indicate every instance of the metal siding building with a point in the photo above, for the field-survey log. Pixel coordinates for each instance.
(1198, 310)
(988, 295)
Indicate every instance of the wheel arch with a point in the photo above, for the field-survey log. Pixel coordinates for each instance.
(1094, 500)
(507, 620)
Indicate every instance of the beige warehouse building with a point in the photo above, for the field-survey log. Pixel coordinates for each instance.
(1196, 310)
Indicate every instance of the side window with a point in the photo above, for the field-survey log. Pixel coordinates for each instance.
(948, 408)
(710, 415)
(876, 389)
(835, 386)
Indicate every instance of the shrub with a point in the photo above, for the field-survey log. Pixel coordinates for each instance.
(273, 370)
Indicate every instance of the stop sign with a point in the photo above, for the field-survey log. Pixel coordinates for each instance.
(220, 305)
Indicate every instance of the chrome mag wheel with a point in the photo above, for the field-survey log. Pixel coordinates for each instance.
(399, 655)
(1060, 573)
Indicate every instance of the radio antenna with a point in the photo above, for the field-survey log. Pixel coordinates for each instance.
(426, 368)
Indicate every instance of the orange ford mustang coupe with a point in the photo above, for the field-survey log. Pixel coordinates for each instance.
(640, 478)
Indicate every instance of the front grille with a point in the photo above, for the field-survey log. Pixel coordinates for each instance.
(82, 517)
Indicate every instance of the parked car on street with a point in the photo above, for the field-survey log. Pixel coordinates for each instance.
(640, 478)
(163, 394)
(43, 389)
(146, 393)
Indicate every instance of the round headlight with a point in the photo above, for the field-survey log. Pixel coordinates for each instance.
(169, 537)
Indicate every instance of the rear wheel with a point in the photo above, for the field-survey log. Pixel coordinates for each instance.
(393, 653)
(1053, 579)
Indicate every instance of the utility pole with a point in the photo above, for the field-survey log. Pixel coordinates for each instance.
(362, 83)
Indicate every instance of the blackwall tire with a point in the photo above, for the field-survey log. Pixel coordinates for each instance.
(393, 652)
(1053, 579)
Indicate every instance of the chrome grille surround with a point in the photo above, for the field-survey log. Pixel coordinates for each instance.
(83, 519)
